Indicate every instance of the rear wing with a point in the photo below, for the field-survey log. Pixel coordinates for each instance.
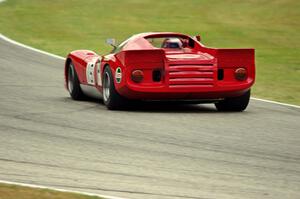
(229, 58)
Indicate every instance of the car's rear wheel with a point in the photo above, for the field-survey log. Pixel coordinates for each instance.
(235, 104)
(111, 98)
(73, 84)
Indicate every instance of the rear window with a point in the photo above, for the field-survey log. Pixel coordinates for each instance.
(171, 42)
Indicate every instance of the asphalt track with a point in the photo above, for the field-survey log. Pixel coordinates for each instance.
(154, 151)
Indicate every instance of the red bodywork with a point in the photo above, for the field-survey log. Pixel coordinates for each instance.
(195, 72)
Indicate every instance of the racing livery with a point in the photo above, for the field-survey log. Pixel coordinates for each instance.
(163, 66)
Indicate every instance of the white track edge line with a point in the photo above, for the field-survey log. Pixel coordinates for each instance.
(29, 47)
(2, 1)
(60, 57)
(58, 189)
(274, 102)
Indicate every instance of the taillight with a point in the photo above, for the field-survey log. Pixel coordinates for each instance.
(240, 74)
(137, 76)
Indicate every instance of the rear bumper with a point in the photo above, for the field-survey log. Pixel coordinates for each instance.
(187, 80)
(165, 92)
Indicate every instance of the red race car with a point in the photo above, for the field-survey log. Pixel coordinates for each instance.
(163, 66)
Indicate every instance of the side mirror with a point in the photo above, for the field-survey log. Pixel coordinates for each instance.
(197, 37)
(111, 42)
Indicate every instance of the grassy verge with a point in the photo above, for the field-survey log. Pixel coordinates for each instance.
(270, 26)
(20, 192)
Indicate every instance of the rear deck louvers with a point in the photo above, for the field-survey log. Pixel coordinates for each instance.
(191, 75)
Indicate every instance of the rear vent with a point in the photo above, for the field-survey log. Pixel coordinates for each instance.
(156, 75)
(191, 75)
(220, 74)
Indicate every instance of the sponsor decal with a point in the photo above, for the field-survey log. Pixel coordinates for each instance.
(118, 75)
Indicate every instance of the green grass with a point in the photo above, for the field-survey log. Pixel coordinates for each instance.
(20, 192)
(271, 27)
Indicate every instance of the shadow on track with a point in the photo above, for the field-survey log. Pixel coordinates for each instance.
(157, 106)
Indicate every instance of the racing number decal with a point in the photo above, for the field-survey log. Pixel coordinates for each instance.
(90, 73)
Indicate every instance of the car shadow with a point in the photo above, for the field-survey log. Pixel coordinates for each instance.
(158, 106)
(169, 107)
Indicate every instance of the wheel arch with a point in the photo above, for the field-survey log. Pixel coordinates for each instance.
(70, 59)
(112, 66)
(67, 65)
(104, 66)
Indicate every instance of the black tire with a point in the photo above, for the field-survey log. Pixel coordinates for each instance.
(234, 104)
(73, 84)
(111, 98)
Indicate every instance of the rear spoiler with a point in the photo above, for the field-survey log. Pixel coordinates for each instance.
(229, 58)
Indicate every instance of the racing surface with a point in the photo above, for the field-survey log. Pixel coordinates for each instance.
(154, 151)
